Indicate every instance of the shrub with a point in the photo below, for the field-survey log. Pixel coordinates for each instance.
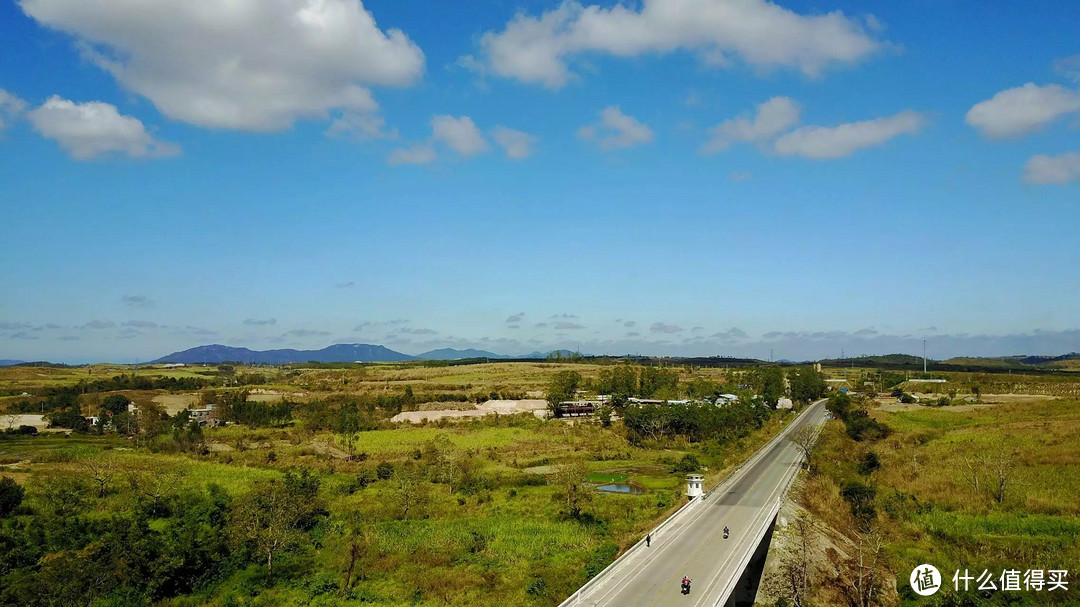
(384, 471)
(870, 463)
(688, 463)
(11, 495)
(861, 499)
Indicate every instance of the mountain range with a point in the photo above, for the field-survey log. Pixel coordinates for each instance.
(338, 353)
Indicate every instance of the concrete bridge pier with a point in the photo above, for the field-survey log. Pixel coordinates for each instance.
(746, 588)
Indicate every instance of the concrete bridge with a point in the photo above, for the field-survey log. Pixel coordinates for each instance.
(691, 542)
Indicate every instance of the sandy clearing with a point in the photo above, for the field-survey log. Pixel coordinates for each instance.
(36, 421)
(988, 400)
(175, 403)
(503, 407)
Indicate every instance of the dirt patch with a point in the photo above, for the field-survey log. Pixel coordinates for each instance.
(175, 403)
(15, 421)
(539, 470)
(795, 523)
(988, 400)
(503, 407)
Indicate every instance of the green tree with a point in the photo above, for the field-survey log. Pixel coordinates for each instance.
(115, 404)
(572, 489)
(272, 517)
(769, 382)
(620, 382)
(562, 387)
(655, 382)
(807, 385)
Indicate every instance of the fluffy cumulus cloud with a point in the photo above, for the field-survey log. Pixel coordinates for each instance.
(10, 107)
(243, 64)
(517, 144)
(458, 134)
(94, 129)
(537, 49)
(1042, 169)
(616, 130)
(1022, 110)
(820, 142)
(771, 118)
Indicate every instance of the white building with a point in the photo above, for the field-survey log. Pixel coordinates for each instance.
(693, 485)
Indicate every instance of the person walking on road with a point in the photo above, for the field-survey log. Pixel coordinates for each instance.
(648, 540)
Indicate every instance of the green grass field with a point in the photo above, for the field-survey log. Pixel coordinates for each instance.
(929, 509)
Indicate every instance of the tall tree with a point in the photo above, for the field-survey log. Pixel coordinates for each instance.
(562, 387)
(572, 487)
(807, 384)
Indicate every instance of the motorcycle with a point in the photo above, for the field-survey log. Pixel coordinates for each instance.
(686, 586)
(725, 533)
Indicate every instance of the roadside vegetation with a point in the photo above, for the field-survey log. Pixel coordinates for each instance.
(988, 488)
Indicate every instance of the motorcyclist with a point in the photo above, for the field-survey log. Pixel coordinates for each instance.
(685, 584)
(725, 531)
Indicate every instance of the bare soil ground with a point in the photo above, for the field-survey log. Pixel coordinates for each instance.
(988, 400)
(25, 420)
(503, 407)
(175, 403)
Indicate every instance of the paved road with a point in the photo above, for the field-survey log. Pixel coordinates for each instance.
(692, 544)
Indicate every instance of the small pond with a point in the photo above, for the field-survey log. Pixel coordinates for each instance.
(620, 488)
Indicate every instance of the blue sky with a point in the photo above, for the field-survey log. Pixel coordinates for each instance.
(685, 177)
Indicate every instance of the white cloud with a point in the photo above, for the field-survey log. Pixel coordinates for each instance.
(1042, 169)
(1022, 110)
(93, 129)
(421, 153)
(773, 117)
(616, 130)
(459, 134)
(537, 49)
(360, 125)
(820, 142)
(517, 144)
(242, 64)
(10, 106)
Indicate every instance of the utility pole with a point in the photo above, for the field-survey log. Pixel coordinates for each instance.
(924, 357)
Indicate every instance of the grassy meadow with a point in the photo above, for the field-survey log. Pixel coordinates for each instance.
(989, 489)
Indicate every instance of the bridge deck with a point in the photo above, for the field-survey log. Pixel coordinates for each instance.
(692, 543)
